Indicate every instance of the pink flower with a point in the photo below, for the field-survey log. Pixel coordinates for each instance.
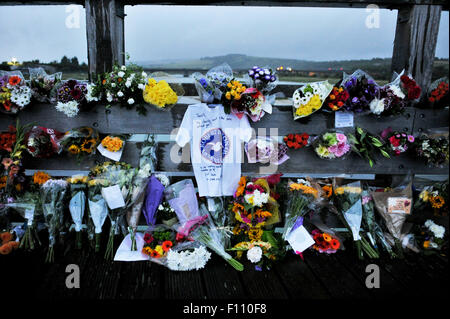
(333, 149)
(343, 148)
(410, 138)
(341, 137)
(366, 199)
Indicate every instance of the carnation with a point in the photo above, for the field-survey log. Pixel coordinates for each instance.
(70, 109)
(377, 106)
(254, 254)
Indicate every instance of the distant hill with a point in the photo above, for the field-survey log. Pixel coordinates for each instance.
(379, 66)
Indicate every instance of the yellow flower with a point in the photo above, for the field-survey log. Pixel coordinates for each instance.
(426, 244)
(74, 149)
(112, 144)
(424, 196)
(159, 93)
(40, 178)
(254, 234)
(159, 249)
(339, 191)
(437, 201)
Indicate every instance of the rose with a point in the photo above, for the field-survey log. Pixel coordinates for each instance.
(254, 254)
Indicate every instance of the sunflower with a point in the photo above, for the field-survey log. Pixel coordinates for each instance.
(254, 234)
(40, 178)
(88, 145)
(437, 201)
(74, 149)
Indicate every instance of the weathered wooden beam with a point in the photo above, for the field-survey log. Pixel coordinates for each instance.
(105, 35)
(415, 41)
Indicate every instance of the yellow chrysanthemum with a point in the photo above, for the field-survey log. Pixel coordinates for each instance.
(159, 93)
(112, 144)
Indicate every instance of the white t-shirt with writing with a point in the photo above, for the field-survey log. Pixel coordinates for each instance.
(216, 149)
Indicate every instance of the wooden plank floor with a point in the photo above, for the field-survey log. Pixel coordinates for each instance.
(317, 277)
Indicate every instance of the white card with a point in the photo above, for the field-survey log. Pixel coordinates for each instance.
(343, 119)
(300, 239)
(113, 196)
(115, 156)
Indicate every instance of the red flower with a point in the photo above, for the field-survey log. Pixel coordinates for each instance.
(394, 141)
(14, 80)
(148, 238)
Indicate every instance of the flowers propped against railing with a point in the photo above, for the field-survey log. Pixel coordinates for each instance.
(337, 98)
(434, 151)
(310, 98)
(362, 89)
(437, 94)
(80, 142)
(332, 145)
(367, 145)
(77, 204)
(43, 85)
(14, 93)
(162, 94)
(397, 142)
(43, 142)
(71, 97)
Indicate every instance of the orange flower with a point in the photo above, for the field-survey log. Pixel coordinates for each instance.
(241, 186)
(6, 237)
(14, 80)
(335, 244)
(5, 249)
(263, 213)
(167, 245)
(154, 254)
(14, 244)
(328, 190)
(326, 237)
(40, 178)
(104, 81)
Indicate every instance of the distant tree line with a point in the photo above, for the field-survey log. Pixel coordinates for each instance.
(65, 65)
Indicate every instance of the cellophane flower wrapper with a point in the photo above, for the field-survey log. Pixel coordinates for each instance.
(147, 162)
(77, 208)
(98, 209)
(183, 199)
(53, 193)
(437, 93)
(161, 91)
(332, 145)
(432, 148)
(390, 99)
(204, 231)
(394, 206)
(309, 98)
(71, 97)
(43, 142)
(302, 197)
(84, 137)
(211, 86)
(13, 97)
(263, 79)
(316, 221)
(362, 89)
(44, 85)
(266, 150)
(348, 201)
(151, 230)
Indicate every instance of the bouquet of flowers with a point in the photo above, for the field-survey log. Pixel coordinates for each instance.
(113, 143)
(7, 140)
(410, 88)
(433, 200)
(14, 93)
(433, 150)
(166, 214)
(77, 203)
(337, 98)
(362, 90)
(264, 150)
(262, 79)
(98, 210)
(433, 237)
(296, 141)
(394, 206)
(309, 98)
(240, 100)
(8, 243)
(331, 145)
(71, 97)
(162, 94)
(348, 201)
(210, 87)
(43, 142)
(43, 85)
(118, 194)
(124, 85)
(367, 145)
(53, 193)
(81, 141)
(302, 197)
(152, 202)
(204, 231)
(158, 240)
(397, 142)
(325, 242)
(438, 93)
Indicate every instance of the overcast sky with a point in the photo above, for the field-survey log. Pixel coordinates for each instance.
(175, 32)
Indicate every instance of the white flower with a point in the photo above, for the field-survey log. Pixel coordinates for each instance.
(143, 74)
(121, 74)
(254, 254)
(120, 94)
(160, 207)
(304, 182)
(141, 86)
(188, 260)
(128, 84)
(130, 101)
(89, 96)
(428, 223)
(256, 198)
(109, 97)
(70, 108)
(113, 85)
(377, 106)
(123, 68)
(163, 179)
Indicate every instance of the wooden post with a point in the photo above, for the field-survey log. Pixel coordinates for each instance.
(105, 35)
(415, 41)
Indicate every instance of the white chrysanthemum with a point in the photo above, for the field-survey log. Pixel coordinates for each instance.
(188, 260)
(141, 86)
(89, 96)
(121, 74)
(113, 85)
(144, 75)
(254, 254)
(163, 179)
(160, 207)
(21, 95)
(54, 182)
(428, 223)
(437, 230)
(377, 106)
(123, 68)
(257, 198)
(120, 94)
(130, 101)
(70, 109)
(128, 84)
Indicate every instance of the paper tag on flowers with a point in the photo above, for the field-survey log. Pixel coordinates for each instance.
(300, 239)
(115, 156)
(343, 119)
(399, 205)
(113, 196)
